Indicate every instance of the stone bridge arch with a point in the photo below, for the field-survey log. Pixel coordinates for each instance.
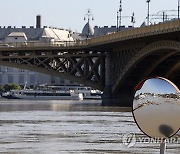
(164, 60)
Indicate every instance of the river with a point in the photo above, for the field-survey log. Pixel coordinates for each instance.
(63, 127)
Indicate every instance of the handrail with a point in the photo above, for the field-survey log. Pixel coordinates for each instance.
(41, 44)
(160, 28)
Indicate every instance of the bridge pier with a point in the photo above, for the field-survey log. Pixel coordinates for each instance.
(106, 98)
(123, 97)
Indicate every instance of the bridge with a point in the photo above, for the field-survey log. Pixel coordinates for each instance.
(113, 63)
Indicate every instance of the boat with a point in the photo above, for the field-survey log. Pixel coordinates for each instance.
(54, 93)
(87, 92)
(42, 95)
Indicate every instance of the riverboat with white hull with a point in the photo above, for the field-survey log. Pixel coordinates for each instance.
(55, 93)
(42, 95)
(87, 92)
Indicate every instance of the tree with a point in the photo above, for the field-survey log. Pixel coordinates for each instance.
(1, 88)
(11, 86)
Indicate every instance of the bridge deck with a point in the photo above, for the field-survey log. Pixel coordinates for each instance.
(161, 28)
(156, 29)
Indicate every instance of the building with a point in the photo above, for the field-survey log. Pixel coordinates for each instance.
(88, 31)
(31, 34)
(16, 37)
(99, 31)
(30, 78)
(12, 35)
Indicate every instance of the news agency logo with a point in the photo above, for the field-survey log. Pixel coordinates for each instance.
(131, 139)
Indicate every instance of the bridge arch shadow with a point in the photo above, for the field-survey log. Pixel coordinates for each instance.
(161, 58)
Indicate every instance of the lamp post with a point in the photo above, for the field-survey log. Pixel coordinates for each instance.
(89, 17)
(148, 1)
(119, 16)
(117, 21)
(132, 19)
(178, 8)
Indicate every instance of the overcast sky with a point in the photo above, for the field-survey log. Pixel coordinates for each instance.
(70, 13)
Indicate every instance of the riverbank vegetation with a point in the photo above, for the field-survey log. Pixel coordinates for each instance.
(9, 86)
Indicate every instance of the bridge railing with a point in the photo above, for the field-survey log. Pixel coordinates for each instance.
(165, 27)
(42, 44)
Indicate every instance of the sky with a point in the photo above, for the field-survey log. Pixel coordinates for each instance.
(157, 86)
(69, 14)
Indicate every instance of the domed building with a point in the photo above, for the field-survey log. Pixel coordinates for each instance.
(87, 31)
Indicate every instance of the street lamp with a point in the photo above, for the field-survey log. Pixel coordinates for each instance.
(120, 14)
(132, 19)
(119, 17)
(148, 1)
(89, 17)
(117, 21)
(178, 8)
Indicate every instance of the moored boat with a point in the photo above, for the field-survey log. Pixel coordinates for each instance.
(88, 93)
(42, 95)
(54, 93)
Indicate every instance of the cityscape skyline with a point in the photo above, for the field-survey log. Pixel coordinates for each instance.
(70, 14)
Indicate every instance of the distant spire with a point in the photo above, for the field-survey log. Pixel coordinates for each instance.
(89, 17)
